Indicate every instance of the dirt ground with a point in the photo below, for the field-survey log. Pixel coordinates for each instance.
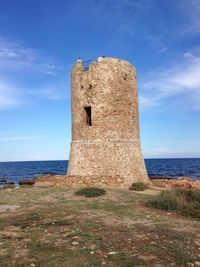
(53, 227)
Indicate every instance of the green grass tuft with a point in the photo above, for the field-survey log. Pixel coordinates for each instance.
(90, 192)
(184, 201)
(138, 186)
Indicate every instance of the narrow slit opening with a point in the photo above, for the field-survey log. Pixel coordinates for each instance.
(88, 112)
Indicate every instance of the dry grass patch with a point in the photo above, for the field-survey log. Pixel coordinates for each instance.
(183, 201)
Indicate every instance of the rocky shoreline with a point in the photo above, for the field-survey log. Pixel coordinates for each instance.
(61, 181)
(180, 182)
(4, 182)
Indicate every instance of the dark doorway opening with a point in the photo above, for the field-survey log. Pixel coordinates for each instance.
(88, 111)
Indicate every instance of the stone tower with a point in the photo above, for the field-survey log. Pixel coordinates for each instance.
(105, 128)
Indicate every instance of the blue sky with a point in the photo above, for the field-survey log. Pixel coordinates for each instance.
(39, 42)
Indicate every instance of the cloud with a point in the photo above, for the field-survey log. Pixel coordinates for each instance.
(20, 138)
(9, 96)
(138, 20)
(53, 94)
(165, 152)
(162, 153)
(44, 157)
(20, 65)
(157, 42)
(191, 10)
(176, 81)
(125, 16)
(170, 152)
(56, 91)
(14, 57)
(130, 20)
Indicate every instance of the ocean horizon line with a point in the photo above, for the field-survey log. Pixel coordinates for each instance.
(48, 160)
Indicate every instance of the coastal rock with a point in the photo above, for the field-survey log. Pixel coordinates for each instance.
(43, 184)
(10, 183)
(27, 182)
(3, 181)
(159, 177)
(6, 184)
(181, 182)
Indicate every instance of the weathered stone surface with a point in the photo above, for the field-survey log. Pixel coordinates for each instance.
(74, 181)
(111, 181)
(26, 182)
(44, 184)
(110, 146)
(181, 182)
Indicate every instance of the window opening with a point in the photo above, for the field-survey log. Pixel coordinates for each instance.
(88, 111)
(86, 64)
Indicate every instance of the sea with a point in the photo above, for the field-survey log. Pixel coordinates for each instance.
(13, 172)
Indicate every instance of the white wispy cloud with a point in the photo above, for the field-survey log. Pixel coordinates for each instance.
(56, 91)
(14, 56)
(16, 60)
(123, 16)
(9, 95)
(134, 18)
(183, 77)
(157, 41)
(170, 152)
(20, 138)
(53, 93)
(191, 10)
(53, 156)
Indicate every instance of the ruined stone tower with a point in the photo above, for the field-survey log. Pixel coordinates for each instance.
(105, 128)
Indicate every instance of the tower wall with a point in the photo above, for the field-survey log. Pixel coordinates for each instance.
(105, 127)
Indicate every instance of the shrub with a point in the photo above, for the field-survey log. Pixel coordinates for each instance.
(90, 192)
(138, 186)
(184, 201)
